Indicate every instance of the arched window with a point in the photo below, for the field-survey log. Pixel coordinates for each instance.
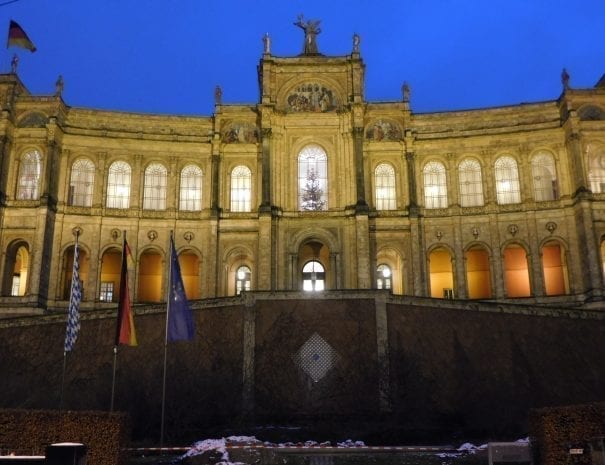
(28, 187)
(596, 168)
(241, 189)
(191, 188)
(470, 182)
(554, 266)
(384, 187)
(154, 193)
(314, 276)
(384, 277)
(312, 179)
(16, 269)
(435, 185)
(544, 176)
(82, 182)
(150, 277)
(507, 181)
(441, 273)
(516, 272)
(478, 277)
(118, 185)
(242, 279)
(109, 288)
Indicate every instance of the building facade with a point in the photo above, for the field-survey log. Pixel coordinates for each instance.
(313, 187)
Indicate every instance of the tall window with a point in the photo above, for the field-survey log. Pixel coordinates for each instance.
(544, 177)
(384, 187)
(241, 189)
(383, 277)
(470, 182)
(242, 279)
(29, 176)
(118, 185)
(81, 183)
(595, 158)
(314, 276)
(312, 179)
(191, 188)
(154, 194)
(435, 185)
(507, 181)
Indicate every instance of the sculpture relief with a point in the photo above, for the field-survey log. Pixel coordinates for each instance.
(383, 130)
(240, 133)
(311, 97)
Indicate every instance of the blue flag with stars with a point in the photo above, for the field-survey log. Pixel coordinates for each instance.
(180, 320)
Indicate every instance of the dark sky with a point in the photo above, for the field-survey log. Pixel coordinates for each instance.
(167, 56)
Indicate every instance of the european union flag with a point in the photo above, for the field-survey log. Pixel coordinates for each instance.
(180, 320)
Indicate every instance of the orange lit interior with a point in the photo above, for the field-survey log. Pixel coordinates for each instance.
(555, 271)
(190, 271)
(110, 270)
(69, 266)
(516, 273)
(150, 277)
(441, 274)
(478, 274)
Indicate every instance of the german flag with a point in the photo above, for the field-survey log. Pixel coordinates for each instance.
(125, 332)
(18, 38)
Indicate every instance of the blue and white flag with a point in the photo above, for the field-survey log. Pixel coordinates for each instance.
(179, 318)
(73, 315)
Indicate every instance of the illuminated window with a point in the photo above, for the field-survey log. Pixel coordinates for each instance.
(154, 193)
(544, 176)
(384, 187)
(106, 294)
(81, 183)
(470, 182)
(478, 277)
(596, 168)
(441, 274)
(118, 185)
(314, 276)
(383, 277)
(435, 185)
(241, 189)
(29, 176)
(191, 188)
(312, 179)
(516, 272)
(242, 279)
(555, 269)
(507, 181)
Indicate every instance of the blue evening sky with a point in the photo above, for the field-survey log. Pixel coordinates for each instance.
(167, 56)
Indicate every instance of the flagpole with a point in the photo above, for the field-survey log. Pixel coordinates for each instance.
(113, 376)
(115, 345)
(166, 342)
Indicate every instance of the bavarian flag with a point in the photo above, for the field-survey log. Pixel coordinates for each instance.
(18, 38)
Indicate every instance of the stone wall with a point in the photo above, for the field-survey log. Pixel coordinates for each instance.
(363, 363)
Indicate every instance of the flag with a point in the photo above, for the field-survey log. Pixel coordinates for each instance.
(73, 314)
(18, 38)
(179, 318)
(125, 332)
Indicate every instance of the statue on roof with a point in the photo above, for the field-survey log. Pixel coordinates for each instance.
(14, 63)
(311, 28)
(267, 43)
(356, 42)
(59, 86)
(218, 95)
(565, 79)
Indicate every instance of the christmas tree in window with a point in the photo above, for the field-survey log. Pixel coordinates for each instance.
(312, 193)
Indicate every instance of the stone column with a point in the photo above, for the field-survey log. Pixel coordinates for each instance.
(5, 144)
(362, 230)
(136, 179)
(412, 189)
(265, 206)
(361, 205)
(214, 205)
(265, 253)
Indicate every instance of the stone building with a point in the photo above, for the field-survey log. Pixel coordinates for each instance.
(312, 187)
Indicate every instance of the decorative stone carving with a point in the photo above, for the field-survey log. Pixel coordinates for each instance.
(438, 235)
(188, 236)
(152, 235)
(551, 226)
(242, 133)
(513, 229)
(115, 234)
(311, 97)
(77, 231)
(33, 120)
(383, 130)
(475, 232)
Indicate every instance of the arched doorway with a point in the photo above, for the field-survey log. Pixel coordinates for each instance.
(391, 258)
(243, 279)
(314, 276)
(554, 267)
(441, 274)
(478, 276)
(516, 271)
(190, 272)
(109, 283)
(150, 277)
(384, 277)
(16, 269)
(314, 260)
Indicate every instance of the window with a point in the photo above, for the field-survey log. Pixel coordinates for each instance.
(507, 181)
(106, 291)
(118, 185)
(191, 188)
(544, 177)
(154, 193)
(82, 183)
(596, 168)
(29, 176)
(314, 276)
(435, 185)
(242, 279)
(384, 187)
(16, 285)
(312, 179)
(383, 277)
(241, 189)
(470, 182)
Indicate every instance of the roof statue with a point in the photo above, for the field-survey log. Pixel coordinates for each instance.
(565, 79)
(14, 64)
(311, 28)
(405, 91)
(356, 41)
(266, 43)
(59, 86)
(218, 95)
